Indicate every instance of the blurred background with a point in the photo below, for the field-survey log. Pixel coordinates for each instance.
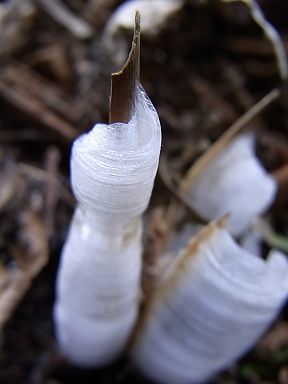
(203, 64)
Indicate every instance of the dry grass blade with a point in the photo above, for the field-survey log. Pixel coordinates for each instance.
(213, 98)
(36, 110)
(17, 22)
(21, 77)
(124, 83)
(221, 143)
(63, 15)
(98, 11)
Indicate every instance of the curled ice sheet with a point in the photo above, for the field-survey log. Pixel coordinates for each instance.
(114, 163)
(113, 169)
(213, 308)
(236, 183)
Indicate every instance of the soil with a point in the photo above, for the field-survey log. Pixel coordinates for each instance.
(205, 66)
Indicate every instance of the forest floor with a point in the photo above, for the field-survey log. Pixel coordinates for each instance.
(203, 68)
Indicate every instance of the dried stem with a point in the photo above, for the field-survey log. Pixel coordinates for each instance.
(64, 16)
(35, 109)
(124, 83)
(220, 144)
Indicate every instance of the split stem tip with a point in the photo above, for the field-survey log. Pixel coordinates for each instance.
(124, 82)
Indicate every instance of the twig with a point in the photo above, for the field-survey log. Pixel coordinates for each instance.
(64, 16)
(232, 74)
(212, 98)
(21, 76)
(98, 11)
(36, 110)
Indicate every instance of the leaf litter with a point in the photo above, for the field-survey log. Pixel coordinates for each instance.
(204, 68)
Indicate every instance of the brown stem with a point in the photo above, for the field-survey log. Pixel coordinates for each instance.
(124, 83)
